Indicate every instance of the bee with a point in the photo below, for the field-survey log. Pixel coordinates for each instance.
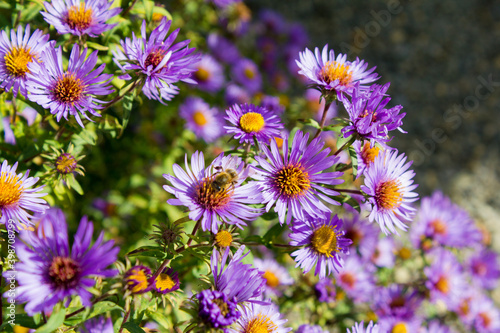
(223, 179)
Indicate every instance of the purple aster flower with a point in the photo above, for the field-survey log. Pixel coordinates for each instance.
(364, 235)
(273, 104)
(356, 278)
(216, 309)
(246, 73)
(382, 255)
(224, 3)
(273, 22)
(72, 91)
(486, 315)
(16, 54)
(436, 327)
(249, 121)
(323, 243)
(237, 280)
(335, 74)
(360, 328)
(260, 318)
(17, 197)
(365, 154)
(9, 136)
(157, 62)
(275, 275)
(209, 74)
(165, 282)
(388, 182)
(396, 325)
(310, 329)
(440, 222)
(445, 278)
(204, 121)
(49, 272)
(293, 180)
(223, 49)
(215, 195)
(236, 95)
(395, 301)
(98, 325)
(484, 268)
(369, 119)
(80, 17)
(325, 290)
(136, 279)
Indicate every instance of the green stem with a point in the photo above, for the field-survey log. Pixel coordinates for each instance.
(348, 191)
(120, 97)
(323, 120)
(347, 144)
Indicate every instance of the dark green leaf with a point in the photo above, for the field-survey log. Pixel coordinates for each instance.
(55, 320)
(133, 327)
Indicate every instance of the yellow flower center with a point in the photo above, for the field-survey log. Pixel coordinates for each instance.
(17, 61)
(368, 154)
(404, 253)
(139, 278)
(199, 118)
(442, 285)
(21, 329)
(399, 328)
(164, 282)
(292, 181)
(388, 194)
(336, 71)
(260, 324)
(279, 142)
(157, 17)
(324, 240)
(224, 309)
(223, 238)
(438, 227)
(65, 164)
(10, 189)
(249, 73)
(79, 18)
(271, 279)
(68, 89)
(202, 74)
(208, 197)
(252, 122)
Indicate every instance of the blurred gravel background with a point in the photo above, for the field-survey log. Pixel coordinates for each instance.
(438, 56)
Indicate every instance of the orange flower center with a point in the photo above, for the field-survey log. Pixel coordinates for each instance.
(79, 18)
(388, 194)
(64, 271)
(154, 58)
(333, 70)
(368, 154)
(202, 74)
(209, 197)
(292, 181)
(68, 89)
(271, 279)
(438, 227)
(199, 118)
(442, 285)
(348, 279)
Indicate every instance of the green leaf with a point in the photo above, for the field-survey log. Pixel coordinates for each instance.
(73, 183)
(147, 251)
(354, 161)
(128, 103)
(55, 320)
(253, 238)
(97, 309)
(97, 46)
(158, 317)
(24, 320)
(133, 327)
(148, 9)
(273, 233)
(309, 122)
